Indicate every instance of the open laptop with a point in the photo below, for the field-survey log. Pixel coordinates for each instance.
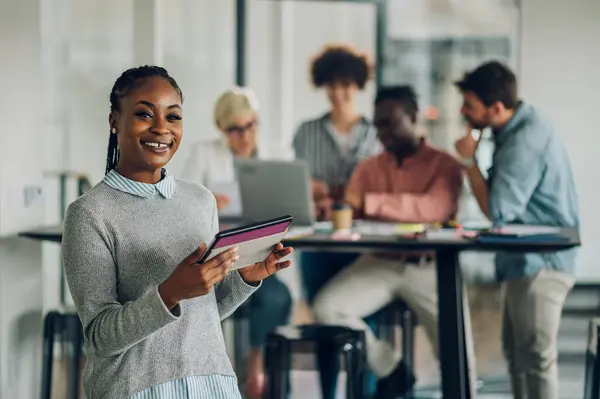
(269, 189)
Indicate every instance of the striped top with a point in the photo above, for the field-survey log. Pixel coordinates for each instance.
(195, 387)
(165, 187)
(213, 386)
(329, 160)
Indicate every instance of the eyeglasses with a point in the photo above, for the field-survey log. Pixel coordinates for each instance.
(241, 129)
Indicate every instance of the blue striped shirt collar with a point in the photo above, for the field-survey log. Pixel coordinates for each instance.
(165, 187)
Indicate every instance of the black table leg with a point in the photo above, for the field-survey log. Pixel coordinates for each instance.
(74, 341)
(408, 344)
(241, 344)
(277, 364)
(452, 345)
(49, 331)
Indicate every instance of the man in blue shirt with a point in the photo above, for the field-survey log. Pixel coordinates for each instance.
(530, 182)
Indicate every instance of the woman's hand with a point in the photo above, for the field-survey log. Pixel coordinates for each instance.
(319, 189)
(261, 270)
(191, 279)
(323, 209)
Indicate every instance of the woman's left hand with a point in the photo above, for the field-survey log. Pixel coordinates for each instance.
(261, 270)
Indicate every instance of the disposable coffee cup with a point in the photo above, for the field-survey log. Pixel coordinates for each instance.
(341, 217)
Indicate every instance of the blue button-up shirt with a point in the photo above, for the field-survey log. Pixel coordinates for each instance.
(530, 182)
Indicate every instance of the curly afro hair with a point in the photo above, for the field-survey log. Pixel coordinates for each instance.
(340, 63)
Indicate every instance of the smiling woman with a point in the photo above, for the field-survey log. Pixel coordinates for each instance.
(131, 249)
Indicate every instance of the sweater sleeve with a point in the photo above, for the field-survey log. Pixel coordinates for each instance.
(110, 327)
(232, 291)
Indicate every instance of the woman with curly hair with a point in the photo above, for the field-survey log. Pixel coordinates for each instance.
(333, 144)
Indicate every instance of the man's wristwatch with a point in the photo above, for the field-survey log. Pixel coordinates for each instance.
(468, 162)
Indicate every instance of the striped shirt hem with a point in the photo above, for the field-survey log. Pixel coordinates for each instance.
(213, 386)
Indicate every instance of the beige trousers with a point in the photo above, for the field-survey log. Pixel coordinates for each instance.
(370, 284)
(532, 312)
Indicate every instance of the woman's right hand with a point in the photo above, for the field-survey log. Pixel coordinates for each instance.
(323, 209)
(191, 279)
(319, 189)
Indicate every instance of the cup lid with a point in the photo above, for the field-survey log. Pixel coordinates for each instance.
(340, 206)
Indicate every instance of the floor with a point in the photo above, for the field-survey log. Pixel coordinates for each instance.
(485, 313)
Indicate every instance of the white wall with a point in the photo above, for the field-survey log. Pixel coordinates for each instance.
(559, 74)
(21, 288)
(193, 39)
(21, 204)
(22, 131)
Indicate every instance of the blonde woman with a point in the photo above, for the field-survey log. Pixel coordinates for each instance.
(212, 164)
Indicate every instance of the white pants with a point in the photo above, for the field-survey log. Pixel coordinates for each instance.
(370, 284)
(532, 311)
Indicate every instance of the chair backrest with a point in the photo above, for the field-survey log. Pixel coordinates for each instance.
(592, 365)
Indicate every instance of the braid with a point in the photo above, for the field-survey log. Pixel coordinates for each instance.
(113, 153)
(122, 87)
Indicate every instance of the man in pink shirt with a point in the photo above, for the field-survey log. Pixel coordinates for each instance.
(410, 182)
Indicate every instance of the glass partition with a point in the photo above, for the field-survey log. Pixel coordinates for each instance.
(431, 44)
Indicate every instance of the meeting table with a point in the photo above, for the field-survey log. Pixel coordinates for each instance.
(447, 247)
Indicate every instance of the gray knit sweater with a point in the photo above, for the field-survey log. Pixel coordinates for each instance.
(117, 249)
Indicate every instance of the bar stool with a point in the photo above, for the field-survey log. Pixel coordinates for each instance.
(68, 327)
(285, 341)
(592, 362)
(398, 313)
